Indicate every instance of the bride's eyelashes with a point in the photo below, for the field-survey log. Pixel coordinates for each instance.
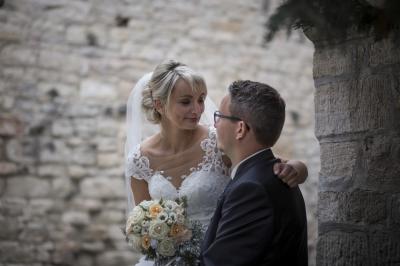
(187, 102)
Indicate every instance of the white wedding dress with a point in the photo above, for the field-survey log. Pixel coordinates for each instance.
(204, 183)
(202, 186)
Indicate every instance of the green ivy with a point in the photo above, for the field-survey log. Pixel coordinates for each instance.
(334, 18)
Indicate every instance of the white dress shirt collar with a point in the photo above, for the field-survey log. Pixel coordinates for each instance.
(234, 169)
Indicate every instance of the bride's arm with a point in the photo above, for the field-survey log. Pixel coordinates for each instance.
(292, 172)
(140, 190)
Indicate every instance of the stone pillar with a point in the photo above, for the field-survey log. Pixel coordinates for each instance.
(357, 104)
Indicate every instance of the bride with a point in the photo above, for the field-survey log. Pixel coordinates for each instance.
(176, 154)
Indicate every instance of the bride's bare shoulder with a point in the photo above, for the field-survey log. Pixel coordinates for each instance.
(150, 143)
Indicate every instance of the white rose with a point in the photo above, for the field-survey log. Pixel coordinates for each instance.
(136, 216)
(135, 242)
(162, 217)
(136, 229)
(170, 205)
(158, 230)
(172, 216)
(145, 224)
(166, 248)
(146, 204)
(179, 210)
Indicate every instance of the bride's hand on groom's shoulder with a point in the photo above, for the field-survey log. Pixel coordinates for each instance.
(291, 172)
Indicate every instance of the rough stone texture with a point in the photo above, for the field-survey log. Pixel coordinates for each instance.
(358, 125)
(66, 70)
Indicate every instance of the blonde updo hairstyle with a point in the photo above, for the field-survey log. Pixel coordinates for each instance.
(161, 84)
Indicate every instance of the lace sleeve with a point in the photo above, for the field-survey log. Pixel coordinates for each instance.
(213, 154)
(137, 166)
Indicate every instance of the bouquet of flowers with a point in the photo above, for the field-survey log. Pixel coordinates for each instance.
(161, 231)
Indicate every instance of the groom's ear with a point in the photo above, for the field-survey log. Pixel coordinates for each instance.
(241, 130)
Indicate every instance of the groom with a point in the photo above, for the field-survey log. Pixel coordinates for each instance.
(259, 220)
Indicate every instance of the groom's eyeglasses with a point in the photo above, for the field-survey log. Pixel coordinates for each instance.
(218, 115)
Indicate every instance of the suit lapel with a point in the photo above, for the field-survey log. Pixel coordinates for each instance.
(267, 157)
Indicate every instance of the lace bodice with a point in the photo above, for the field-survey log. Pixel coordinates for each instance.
(202, 186)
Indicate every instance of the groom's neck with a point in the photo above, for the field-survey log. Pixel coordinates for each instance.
(243, 151)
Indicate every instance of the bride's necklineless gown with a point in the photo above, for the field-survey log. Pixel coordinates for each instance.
(201, 186)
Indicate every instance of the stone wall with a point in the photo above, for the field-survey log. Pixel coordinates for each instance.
(358, 126)
(66, 70)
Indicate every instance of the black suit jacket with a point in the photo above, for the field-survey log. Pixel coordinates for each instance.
(259, 220)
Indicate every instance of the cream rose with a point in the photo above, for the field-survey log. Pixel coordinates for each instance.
(135, 242)
(166, 248)
(158, 230)
(136, 216)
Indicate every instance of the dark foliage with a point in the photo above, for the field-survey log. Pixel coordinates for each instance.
(334, 18)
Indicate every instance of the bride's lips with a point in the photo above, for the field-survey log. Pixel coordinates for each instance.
(195, 119)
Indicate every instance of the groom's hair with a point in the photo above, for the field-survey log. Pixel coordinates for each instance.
(261, 107)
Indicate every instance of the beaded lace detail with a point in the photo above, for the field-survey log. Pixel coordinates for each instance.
(202, 186)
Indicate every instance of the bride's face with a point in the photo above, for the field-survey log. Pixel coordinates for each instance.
(185, 106)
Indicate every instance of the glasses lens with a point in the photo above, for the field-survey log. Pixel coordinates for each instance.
(215, 117)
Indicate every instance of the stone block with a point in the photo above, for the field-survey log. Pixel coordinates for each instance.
(106, 144)
(88, 205)
(343, 248)
(102, 187)
(356, 105)
(338, 165)
(395, 210)
(84, 127)
(63, 90)
(76, 218)
(93, 247)
(380, 156)
(385, 247)
(62, 128)
(14, 252)
(76, 35)
(9, 126)
(85, 259)
(334, 61)
(51, 170)
(42, 207)
(54, 151)
(77, 171)
(97, 90)
(2, 186)
(12, 207)
(111, 258)
(34, 233)
(7, 168)
(384, 52)
(62, 187)
(105, 160)
(14, 55)
(357, 207)
(27, 187)
(85, 156)
(9, 229)
(331, 113)
(112, 217)
(328, 206)
(51, 59)
(82, 109)
(107, 127)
